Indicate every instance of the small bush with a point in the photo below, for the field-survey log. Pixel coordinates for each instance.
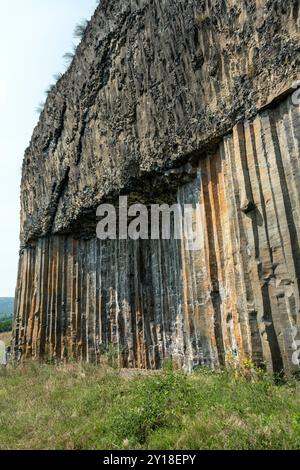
(80, 29)
(68, 57)
(153, 403)
(57, 76)
(49, 89)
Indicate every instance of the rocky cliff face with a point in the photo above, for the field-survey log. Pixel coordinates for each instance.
(168, 101)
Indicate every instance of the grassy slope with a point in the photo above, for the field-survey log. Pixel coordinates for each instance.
(6, 337)
(84, 407)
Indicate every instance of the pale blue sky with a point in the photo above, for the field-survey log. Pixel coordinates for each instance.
(34, 35)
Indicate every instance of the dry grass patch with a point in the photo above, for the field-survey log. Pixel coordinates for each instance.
(6, 337)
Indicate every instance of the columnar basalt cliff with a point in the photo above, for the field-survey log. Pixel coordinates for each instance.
(185, 101)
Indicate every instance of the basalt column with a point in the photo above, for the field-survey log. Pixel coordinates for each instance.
(189, 102)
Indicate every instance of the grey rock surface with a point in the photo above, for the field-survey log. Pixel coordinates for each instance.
(153, 83)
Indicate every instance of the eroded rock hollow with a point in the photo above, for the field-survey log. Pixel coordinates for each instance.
(187, 101)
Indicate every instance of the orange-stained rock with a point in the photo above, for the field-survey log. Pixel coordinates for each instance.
(164, 102)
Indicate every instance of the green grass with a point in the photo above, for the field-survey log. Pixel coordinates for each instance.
(86, 407)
